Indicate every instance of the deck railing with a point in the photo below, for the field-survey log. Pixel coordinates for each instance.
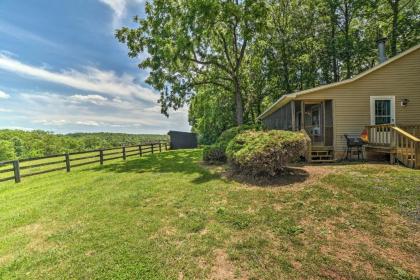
(379, 135)
(407, 147)
(412, 129)
(403, 141)
(18, 169)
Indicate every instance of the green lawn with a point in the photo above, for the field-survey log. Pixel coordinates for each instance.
(166, 216)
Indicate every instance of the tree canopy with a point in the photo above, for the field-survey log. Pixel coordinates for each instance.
(229, 59)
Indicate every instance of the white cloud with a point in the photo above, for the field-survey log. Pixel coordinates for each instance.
(88, 123)
(51, 122)
(4, 110)
(59, 113)
(3, 95)
(119, 8)
(91, 79)
(94, 99)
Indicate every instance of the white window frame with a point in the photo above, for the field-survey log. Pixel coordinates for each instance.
(372, 107)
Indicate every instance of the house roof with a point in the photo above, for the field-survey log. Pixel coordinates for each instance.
(288, 97)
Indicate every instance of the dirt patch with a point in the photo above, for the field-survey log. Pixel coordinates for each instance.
(347, 246)
(38, 235)
(293, 176)
(222, 268)
(6, 259)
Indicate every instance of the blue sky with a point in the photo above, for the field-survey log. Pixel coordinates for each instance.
(62, 70)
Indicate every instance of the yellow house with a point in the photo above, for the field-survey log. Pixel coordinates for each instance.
(384, 101)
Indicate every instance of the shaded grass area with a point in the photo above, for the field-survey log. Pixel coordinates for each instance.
(166, 216)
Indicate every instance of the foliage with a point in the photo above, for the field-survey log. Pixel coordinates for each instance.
(265, 152)
(214, 153)
(143, 225)
(211, 112)
(195, 43)
(217, 151)
(25, 144)
(240, 56)
(7, 150)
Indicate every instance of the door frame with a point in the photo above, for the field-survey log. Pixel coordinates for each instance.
(372, 107)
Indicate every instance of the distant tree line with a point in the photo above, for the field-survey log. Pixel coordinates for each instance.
(18, 144)
(230, 59)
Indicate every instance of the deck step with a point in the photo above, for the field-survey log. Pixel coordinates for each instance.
(322, 154)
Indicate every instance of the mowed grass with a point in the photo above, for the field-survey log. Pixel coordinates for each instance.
(167, 216)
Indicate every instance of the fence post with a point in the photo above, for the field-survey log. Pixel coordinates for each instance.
(166, 146)
(101, 156)
(160, 147)
(140, 151)
(16, 171)
(152, 148)
(67, 156)
(123, 151)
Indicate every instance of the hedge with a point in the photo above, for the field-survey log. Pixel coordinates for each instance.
(217, 151)
(265, 152)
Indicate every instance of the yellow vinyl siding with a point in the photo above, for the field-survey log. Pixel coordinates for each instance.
(401, 79)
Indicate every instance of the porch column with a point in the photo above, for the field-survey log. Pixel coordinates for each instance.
(293, 115)
(302, 114)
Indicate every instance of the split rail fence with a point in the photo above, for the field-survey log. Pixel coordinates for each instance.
(18, 169)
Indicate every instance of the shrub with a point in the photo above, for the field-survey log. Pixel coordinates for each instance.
(265, 152)
(217, 151)
(214, 153)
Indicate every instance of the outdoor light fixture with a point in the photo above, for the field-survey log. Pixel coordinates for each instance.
(404, 102)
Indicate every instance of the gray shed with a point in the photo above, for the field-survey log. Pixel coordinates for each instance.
(182, 140)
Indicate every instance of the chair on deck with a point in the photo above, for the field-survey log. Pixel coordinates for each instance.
(354, 142)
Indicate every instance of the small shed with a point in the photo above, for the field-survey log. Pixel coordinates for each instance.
(182, 140)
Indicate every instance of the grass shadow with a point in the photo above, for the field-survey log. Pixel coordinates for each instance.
(180, 161)
(290, 176)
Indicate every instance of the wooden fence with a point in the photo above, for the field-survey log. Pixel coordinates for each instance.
(18, 168)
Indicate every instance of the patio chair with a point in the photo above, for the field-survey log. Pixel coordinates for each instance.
(356, 143)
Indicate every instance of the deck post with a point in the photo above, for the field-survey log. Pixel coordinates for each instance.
(101, 157)
(417, 156)
(67, 157)
(302, 114)
(293, 115)
(16, 170)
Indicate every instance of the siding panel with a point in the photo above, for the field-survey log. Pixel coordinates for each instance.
(400, 78)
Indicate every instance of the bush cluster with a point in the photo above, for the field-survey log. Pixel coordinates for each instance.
(214, 153)
(217, 151)
(265, 152)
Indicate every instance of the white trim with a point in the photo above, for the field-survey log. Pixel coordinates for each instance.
(372, 107)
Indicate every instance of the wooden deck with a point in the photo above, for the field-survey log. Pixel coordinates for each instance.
(401, 142)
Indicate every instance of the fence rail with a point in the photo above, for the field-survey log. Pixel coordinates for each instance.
(68, 161)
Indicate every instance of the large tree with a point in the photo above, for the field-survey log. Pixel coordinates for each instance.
(192, 43)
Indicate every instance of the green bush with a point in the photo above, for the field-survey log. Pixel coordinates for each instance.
(217, 151)
(214, 153)
(265, 152)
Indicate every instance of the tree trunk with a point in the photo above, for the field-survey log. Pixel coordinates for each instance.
(395, 11)
(347, 40)
(333, 45)
(285, 58)
(239, 105)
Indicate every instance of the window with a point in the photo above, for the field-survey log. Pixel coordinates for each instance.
(382, 110)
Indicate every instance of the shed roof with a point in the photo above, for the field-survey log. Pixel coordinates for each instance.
(288, 97)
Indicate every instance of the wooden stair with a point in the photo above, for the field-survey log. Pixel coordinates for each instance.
(321, 154)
